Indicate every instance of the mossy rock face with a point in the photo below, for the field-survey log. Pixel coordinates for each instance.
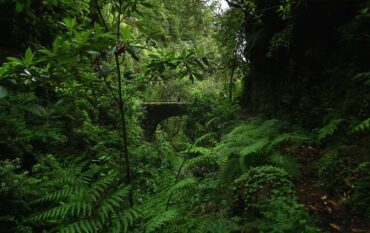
(314, 71)
(259, 184)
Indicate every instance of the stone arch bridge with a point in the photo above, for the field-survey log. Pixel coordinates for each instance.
(159, 111)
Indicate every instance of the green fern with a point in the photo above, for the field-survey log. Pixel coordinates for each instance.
(112, 202)
(199, 150)
(182, 185)
(160, 220)
(83, 226)
(255, 143)
(126, 220)
(295, 138)
(200, 160)
(248, 153)
(247, 134)
(87, 201)
(362, 126)
(329, 129)
(204, 157)
(229, 171)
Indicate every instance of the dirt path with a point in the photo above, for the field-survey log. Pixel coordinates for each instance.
(328, 211)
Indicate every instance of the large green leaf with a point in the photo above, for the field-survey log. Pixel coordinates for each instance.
(28, 57)
(3, 92)
(126, 32)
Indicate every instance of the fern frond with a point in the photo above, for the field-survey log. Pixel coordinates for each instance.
(161, 220)
(93, 203)
(252, 150)
(99, 186)
(295, 138)
(71, 209)
(78, 164)
(83, 226)
(203, 138)
(246, 135)
(64, 177)
(126, 220)
(210, 122)
(79, 208)
(199, 150)
(60, 195)
(230, 170)
(54, 213)
(329, 129)
(114, 200)
(362, 126)
(255, 143)
(200, 160)
(88, 175)
(188, 183)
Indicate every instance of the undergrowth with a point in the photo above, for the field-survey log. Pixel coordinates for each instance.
(242, 184)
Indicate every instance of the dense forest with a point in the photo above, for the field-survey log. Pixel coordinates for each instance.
(185, 116)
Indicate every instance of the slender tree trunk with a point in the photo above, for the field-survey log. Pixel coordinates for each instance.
(93, 8)
(121, 107)
(96, 15)
(231, 83)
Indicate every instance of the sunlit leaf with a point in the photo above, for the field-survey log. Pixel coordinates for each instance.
(28, 57)
(126, 32)
(15, 61)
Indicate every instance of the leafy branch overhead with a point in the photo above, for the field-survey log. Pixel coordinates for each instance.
(169, 65)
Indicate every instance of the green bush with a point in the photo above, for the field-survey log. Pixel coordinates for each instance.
(257, 142)
(259, 184)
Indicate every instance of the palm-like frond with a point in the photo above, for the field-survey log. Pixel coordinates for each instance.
(160, 220)
(362, 126)
(91, 202)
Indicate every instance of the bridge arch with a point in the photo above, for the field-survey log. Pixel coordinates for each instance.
(156, 112)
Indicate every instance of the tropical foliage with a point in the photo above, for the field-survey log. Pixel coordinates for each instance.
(259, 113)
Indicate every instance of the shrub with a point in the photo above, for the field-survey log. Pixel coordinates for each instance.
(260, 184)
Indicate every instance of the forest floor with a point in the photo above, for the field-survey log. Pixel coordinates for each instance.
(328, 210)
